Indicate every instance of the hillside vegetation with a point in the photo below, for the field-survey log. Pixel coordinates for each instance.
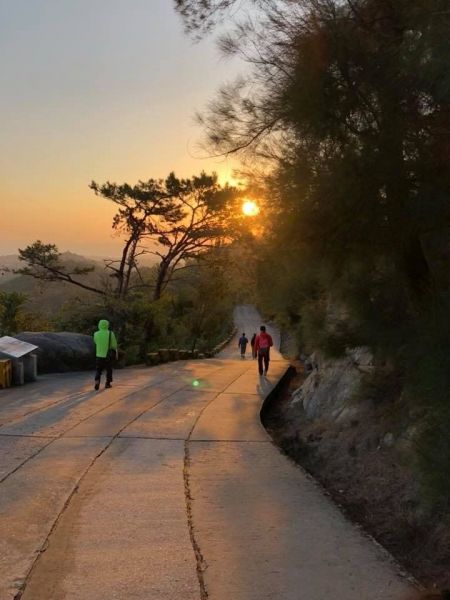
(45, 299)
(172, 286)
(343, 121)
(347, 106)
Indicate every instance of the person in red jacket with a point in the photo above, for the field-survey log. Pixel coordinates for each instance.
(263, 344)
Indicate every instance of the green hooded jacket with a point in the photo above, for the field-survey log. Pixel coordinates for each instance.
(101, 339)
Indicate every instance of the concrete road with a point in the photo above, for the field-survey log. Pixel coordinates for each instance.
(167, 487)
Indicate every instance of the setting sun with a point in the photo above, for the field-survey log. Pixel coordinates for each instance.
(250, 208)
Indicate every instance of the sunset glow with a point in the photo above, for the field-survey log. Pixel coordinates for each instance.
(61, 128)
(250, 208)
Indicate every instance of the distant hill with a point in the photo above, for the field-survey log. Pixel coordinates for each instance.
(145, 260)
(46, 297)
(9, 261)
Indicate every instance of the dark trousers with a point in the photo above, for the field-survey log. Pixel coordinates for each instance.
(263, 357)
(101, 364)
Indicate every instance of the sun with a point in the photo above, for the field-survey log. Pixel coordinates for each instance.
(250, 208)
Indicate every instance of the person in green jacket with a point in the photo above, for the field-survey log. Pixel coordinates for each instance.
(105, 346)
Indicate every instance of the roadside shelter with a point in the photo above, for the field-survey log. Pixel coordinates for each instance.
(23, 359)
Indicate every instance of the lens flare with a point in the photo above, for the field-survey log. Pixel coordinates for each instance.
(250, 208)
(195, 383)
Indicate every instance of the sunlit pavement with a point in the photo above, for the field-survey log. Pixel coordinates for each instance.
(168, 487)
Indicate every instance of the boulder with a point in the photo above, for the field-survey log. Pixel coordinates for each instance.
(61, 351)
(362, 358)
(328, 390)
(388, 440)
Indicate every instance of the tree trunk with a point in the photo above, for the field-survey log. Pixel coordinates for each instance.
(121, 270)
(161, 279)
(129, 268)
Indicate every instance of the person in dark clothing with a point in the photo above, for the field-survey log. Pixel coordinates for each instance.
(105, 346)
(242, 344)
(252, 344)
(263, 343)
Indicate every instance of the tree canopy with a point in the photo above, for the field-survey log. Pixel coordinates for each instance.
(176, 220)
(173, 219)
(348, 104)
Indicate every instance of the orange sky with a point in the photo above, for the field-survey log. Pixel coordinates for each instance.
(95, 92)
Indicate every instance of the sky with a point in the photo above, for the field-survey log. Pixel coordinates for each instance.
(95, 90)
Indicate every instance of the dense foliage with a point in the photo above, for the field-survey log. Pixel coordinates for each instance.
(14, 317)
(183, 299)
(350, 103)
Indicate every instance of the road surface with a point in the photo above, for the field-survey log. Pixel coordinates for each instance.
(167, 487)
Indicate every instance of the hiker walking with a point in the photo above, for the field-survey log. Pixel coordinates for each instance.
(263, 344)
(105, 352)
(252, 344)
(242, 344)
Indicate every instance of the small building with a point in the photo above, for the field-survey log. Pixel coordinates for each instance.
(23, 359)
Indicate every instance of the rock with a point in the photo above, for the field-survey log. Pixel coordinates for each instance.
(348, 414)
(362, 358)
(312, 362)
(388, 440)
(61, 351)
(329, 388)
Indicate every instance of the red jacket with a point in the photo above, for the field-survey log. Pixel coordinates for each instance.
(263, 340)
